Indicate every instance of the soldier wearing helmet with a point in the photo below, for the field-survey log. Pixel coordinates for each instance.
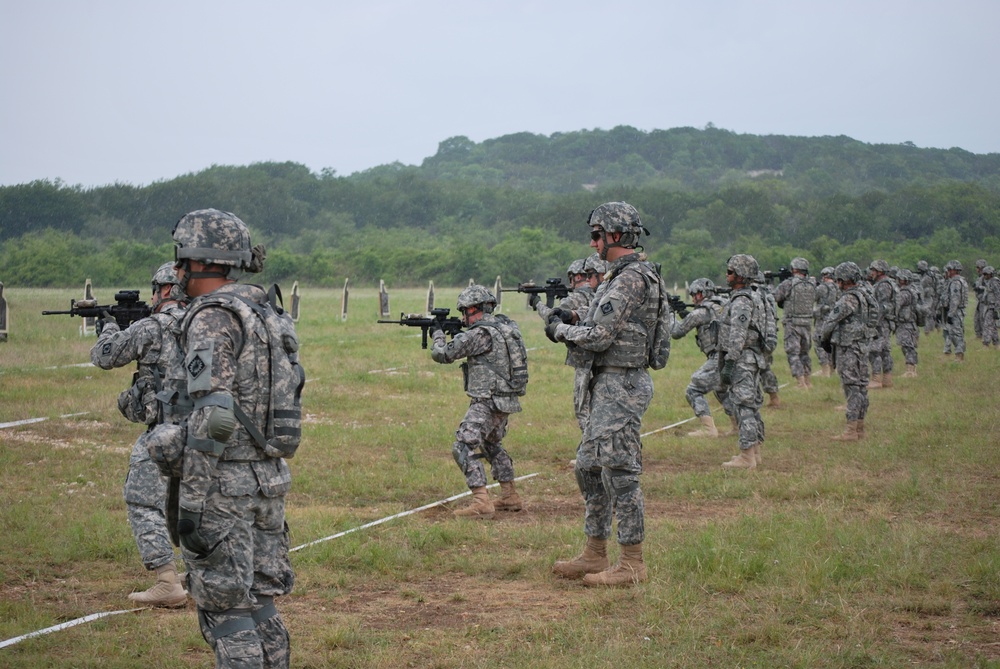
(233, 484)
(796, 296)
(928, 294)
(495, 374)
(157, 395)
(827, 294)
(704, 320)
(908, 319)
(880, 352)
(845, 334)
(979, 289)
(747, 333)
(618, 331)
(991, 299)
(956, 300)
(584, 282)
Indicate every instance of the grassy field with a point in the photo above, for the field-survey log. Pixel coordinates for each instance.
(881, 553)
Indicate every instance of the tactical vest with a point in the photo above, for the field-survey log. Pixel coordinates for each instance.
(503, 370)
(908, 307)
(799, 303)
(758, 319)
(860, 326)
(631, 348)
(708, 334)
(959, 295)
(887, 292)
(170, 379)
(826, 297)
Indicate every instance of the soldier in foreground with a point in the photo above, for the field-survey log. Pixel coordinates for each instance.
(496, 374)
(911, 310)
(158, 394)
(845, 335)
(618, 329)
(704, 318)
(232, 495)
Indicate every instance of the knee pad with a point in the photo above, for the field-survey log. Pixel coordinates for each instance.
(589, 482)
(462, 453)
(620, 482)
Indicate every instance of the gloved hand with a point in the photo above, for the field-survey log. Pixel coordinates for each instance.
(550, 328)
(726, 375)
(189, 529)
(435, 327)
(533, 301)
(564, 315)
(104, 321)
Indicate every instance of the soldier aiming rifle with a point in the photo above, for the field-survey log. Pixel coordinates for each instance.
(127, 310)
(437, 320)
(553, 288)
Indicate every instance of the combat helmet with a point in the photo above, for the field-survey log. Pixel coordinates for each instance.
(826, 271)
(879, 266)
(848, 272)
(922, 266)
(800, 264)
(989, 270)
(594, 264)
(617, 217)
(166, 275)
(744, 265)
(477, 295)
(216, 237)
(981, 263)
(953, 264)
(703, 286)
(575, 267)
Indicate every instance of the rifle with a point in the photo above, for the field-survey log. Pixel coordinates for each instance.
(782, 274)
(678, 306)
(553, 288)
(438, 320)
(127, 310)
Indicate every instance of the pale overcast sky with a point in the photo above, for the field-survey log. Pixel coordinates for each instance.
(102, 91)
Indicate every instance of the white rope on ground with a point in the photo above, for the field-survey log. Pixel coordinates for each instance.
(400, 515)
(66, 625)
(29, 421)
(667, 427)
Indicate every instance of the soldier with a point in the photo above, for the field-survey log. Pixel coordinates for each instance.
(704, 318)
(619, 329)
(979, 288)
(954, 305)
(585, 276)
(796, 296)
(991, 299)
(232, 526)
(495, 375)
(158, 394)
(768, 379)
(929, 295)
(748, 331)
(880, 352)
(911, 313)
(941, 286)
(845, 334)
(827, 294)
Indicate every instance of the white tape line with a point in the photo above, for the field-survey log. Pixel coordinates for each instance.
(400, 515)
(72, 623)
(79, 364)
(29, 421)
(388, 369)
(667, 427)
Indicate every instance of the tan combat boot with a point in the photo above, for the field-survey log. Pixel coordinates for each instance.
(850, 432)
(911, 371)
(827, 370)
(959, 357)
(809, 381)
(887, 380)
(876, 382)
(167, 592)
(775, 401)
(481, 508)
(745, 460)
(802, 383)
(629, 570)
(708, 428)
(509, 499)
(592, 560)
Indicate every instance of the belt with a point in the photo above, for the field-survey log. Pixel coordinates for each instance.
(610, 370)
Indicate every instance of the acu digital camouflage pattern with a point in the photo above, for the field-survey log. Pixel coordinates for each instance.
(880, 350)
(956, 299)
(991, 310)
(213, 237)
(240, 493)
(153, 343)
(704, 318)
(907, 332)
(740, 342)
(797, 296)
(827, 293)
(615, 330)
(847, 329)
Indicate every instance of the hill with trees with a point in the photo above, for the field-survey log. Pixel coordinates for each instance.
(517, 205)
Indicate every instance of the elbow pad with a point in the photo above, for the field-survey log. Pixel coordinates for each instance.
(220, 423)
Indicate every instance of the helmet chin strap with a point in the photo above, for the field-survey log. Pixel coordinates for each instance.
(188, 275)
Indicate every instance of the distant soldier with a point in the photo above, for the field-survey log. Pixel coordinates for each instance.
(941, 284)
(929, 295)
(979, 288)
(845, 334)
(796, 296)
(746, 333)
(704, 319)
(954, 305)
(768, 379)
(158, 394)
(494, 378)
(887, 295)
(585, 276)
(911, 312)
(991, 298)
(827, 294)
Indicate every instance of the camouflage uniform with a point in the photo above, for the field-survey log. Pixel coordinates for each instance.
(485, 347)
(846, 328)
(827, 294)
(232, 527)
(609, 459)
(956, 301)
(991, 306)
(578, 302)
(705, 319)
(768, 379)
(979, 288)
(797, 296)
(880, 352)
(740, 340)
(929, 295)
(152, 343)
(907, 332)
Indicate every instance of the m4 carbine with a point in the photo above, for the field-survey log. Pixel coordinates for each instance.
(438, 320)
(553, 288)
(127, 309)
